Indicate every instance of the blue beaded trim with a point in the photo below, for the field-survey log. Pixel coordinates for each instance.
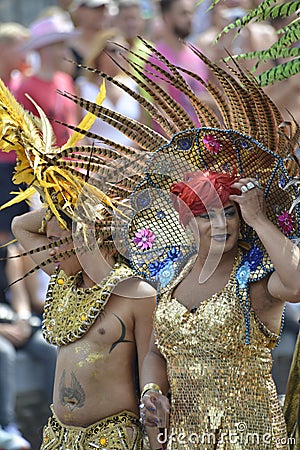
(244, 276)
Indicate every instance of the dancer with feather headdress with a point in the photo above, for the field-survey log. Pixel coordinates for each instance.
(232, 176)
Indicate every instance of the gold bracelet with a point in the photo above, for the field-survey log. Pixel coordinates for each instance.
(151, 387)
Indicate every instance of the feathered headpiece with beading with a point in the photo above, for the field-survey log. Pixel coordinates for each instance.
(243, 131)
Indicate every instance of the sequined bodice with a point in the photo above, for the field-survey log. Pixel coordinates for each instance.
(218, 381)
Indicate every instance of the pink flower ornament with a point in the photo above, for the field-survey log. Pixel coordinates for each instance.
(212, 144)
(144, 239)
(285, 222)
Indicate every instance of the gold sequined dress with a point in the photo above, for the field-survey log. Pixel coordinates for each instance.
(222, 393)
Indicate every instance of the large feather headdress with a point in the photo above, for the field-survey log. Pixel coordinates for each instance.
(244, 131)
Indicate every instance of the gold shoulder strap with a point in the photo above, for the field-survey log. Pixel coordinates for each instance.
(69, 312)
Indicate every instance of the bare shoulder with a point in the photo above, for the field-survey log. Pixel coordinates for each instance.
(135, 288)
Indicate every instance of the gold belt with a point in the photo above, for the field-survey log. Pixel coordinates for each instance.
(118, 432)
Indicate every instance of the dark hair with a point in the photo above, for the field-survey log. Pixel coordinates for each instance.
(124, 4)
(166, 5)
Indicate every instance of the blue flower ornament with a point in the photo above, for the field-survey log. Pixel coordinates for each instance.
(243, 274)
(166, 274)
(250, 263)
(164, 270)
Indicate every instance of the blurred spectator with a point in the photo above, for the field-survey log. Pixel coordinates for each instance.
(155, 30)
(12, 67)
(48, 36)
(177, 16)
(201, 20)
(19, 329)
(255, 36)
(90, 17)
(286, 93)
(6, 440)
(54, 11)
(99, 57)
(13, 61)
(131, 23)
(64, 4)
(283, 353)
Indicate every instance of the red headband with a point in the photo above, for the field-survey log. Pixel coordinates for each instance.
(199, 190)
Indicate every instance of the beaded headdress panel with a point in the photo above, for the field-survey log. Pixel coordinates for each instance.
(154, 230)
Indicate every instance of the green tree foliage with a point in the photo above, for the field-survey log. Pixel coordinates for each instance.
(285, 51)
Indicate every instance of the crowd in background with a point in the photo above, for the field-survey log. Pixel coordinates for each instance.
(40, 59)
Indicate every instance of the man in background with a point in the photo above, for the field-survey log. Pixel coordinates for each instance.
(177, 22)
(13, 66)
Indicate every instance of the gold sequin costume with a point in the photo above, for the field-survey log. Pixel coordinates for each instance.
(119, 432)
(70, 311)
(222, 393)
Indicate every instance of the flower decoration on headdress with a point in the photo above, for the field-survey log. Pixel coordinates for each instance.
(243, 274)
(254, 257)
(211, 143)
(164, 271)
(249, 263)
(155, 267)
(166, 274)
(144, 238)
(173, 254)
(285, 222)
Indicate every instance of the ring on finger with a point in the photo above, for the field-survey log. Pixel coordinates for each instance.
(257, 184)
(250, 185)
(244, 188)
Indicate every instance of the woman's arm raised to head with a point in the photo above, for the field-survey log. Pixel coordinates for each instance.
(284, 283)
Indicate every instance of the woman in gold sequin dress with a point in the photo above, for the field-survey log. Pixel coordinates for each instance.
(208, 348)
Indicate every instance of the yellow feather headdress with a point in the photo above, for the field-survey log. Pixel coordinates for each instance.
(59, 175)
